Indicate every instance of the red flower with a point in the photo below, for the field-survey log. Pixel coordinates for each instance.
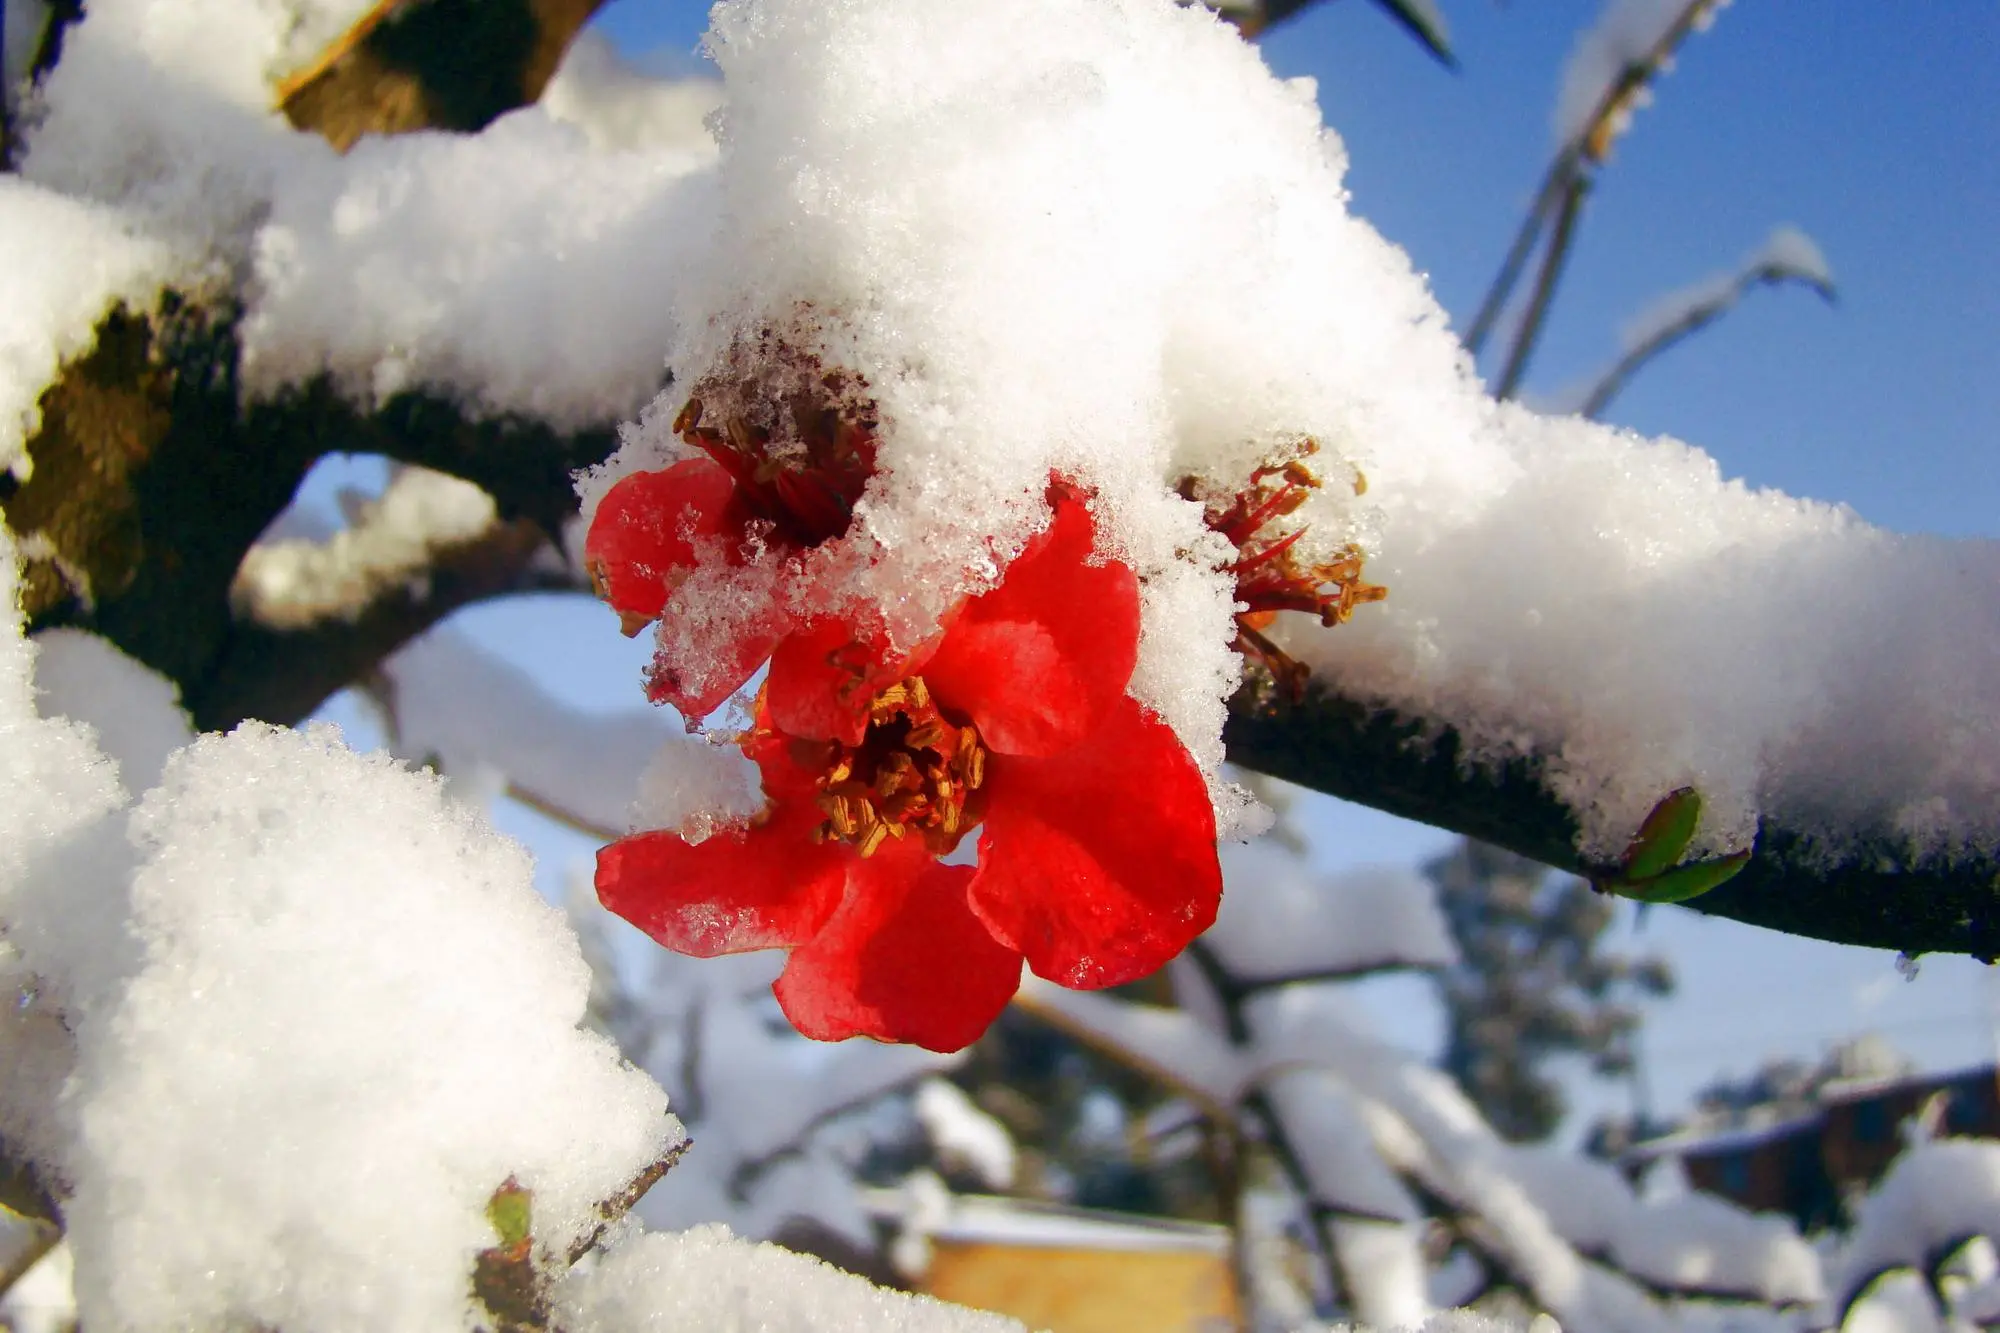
(784, 479)
(1097, 859)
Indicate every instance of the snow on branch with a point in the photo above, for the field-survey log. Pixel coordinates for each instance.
(1419, 768)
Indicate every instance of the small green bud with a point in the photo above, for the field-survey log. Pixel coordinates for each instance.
(1683, 882)
(1664, 836)
(510, 1210)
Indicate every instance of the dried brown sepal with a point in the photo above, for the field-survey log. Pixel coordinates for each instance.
(798, 437)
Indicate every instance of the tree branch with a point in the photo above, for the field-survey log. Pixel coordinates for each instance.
(1690, 322)
(1877, 898)
(281, 673)
(151, 484)
(432, 64)
(1554, 260)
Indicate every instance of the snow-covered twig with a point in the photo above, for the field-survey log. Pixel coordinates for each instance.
(1790, 256)
(1585, 142)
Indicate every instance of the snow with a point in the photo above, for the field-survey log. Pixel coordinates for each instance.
(289, 1019)
(355, 1020)
(983, 215)
(1382, 1267)
(86, 260)
(993, 232)
(134, 711)
(526, 269)
(42, 1301)
(288, 582)
(1328, 1132)
(1936, 1191)
(965, 1134)
(1655, 631)
(613, 771)
(1690, 1242)
(620, 107)
(286, 1024)
(705, 1280)
(779, 1125)
(1791, 251)
(1280, 919)
(1024, 1222)
(1786, 253)
(515, 267)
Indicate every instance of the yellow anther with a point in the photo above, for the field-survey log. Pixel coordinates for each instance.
(839, 814)
(876, 835)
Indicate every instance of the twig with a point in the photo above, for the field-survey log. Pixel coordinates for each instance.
(1417, 768)
(1553, 260)
(1523, 246)
(1580, 156)
(1691, 321)
(614, 1208)
(549, 808)
(1209, 1106)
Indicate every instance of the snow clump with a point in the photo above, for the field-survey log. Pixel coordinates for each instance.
(283, 1027)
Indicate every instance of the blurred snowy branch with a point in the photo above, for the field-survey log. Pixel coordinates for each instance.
(1608, 78)
(1789, 256)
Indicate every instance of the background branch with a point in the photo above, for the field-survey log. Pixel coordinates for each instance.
(1691, 321)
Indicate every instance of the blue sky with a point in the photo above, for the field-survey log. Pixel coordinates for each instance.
(1873, 128)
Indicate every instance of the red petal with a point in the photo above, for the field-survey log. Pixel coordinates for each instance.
(903, 959)
(763, 887)
(791, 766)
(726, 664)
(1038, 662)
(639, 537)
(1099, 865)
(821, 681)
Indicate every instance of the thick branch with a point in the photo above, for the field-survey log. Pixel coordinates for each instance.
(432, 64)
(282, 673)
(1382, 759)
(151, 483)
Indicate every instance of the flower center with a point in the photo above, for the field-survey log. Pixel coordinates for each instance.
(913, 773)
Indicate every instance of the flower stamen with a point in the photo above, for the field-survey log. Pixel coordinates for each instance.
(914, 772)
(1272, 577)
